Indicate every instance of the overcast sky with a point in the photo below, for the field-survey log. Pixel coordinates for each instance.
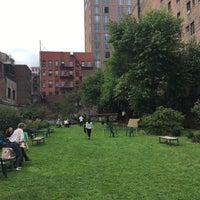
(58, 24)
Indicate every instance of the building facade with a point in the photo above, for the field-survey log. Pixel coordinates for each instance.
(24, 84)
(98, 13)
(62, 72)
(8, 85)
(188, 10)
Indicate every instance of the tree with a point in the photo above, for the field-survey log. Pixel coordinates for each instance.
(150, 65)
(91, 89)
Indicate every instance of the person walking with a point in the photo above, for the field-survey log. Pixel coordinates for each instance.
(89, 127)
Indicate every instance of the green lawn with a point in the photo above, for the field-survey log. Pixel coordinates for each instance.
(69, 166)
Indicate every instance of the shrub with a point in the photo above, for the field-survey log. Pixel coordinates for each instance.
(9, 117)
(164, 121)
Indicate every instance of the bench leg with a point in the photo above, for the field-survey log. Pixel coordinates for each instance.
(3, 168)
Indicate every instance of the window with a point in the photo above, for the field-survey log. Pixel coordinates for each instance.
(129, 2)
(50, 84)
(178, 14)
(50, 72)
(106, 9)
(97, 45)
(62, 62)
(120, 10)
(50, 63)
(96, 10)
(43, 63)
(70, 63)
(98, 64)
(43, 73)
(192, 28)
(106, 19)
(83, 64)
(97, 27)
(188, 7)
(56, 63)
(96, 1)
(105, 2)
(97, 36)
(106, 36)
(71, 73)
(107, 54)
(56, 84)
(169, 5)
(193, 3)
(120, 2)
(107, 46)
(89, 64)
(9, 93)
(177, 1)
(96, 19)
(129, 10)
(106, 28)
(71, 84)
(62, 73)
(63, 84)
(56, 73)
(97, 55)
(43, 84)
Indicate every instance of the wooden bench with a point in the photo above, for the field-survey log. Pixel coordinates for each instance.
(168, 139)
(38, 140)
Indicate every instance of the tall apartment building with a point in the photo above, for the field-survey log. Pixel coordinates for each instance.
(62, 72)
(98, 13)
(188, 10)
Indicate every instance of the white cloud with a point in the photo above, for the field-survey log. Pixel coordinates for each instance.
(59, 24)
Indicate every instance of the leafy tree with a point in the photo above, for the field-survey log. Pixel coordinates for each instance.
(150, 65)
(9, 117)
(91, 89)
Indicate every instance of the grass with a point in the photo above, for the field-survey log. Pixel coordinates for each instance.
(69, 166)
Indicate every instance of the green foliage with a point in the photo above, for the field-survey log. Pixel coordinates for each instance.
(196, 109)
(32, 112)
(36, 124)
(164, 121)
(150, 66)
(91, 89)
(9, 117)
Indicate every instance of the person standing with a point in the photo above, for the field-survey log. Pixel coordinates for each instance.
(89, 127)
(81, 120)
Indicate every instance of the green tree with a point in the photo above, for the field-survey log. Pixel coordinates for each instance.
(9, 117)
(91, 89)
(151, 66)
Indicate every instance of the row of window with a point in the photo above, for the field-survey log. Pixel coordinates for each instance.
(120, 2)
(62, 73)
(97, 45)
(121, 9)
(63, 84)
(70, 63)
(98, 55)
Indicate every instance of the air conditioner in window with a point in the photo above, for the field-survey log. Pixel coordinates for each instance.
(188, 12)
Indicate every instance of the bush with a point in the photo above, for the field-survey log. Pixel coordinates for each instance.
(164, 121)
(9, 117)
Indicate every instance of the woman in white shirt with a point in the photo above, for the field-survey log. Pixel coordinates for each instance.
(89, 127)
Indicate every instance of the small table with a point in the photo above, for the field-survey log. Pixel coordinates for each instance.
(168, 139)
(38, 140)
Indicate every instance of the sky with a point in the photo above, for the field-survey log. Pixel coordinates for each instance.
(58, 25)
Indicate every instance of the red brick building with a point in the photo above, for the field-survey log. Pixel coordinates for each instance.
(23, 76)
(62, 72)
(188, 10)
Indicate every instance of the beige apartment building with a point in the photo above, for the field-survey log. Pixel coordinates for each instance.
(188, 10)
(98, 13)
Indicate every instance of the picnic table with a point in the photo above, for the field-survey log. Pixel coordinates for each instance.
(168, 139)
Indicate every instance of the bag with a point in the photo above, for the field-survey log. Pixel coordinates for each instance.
(23, 145)
(7, 153)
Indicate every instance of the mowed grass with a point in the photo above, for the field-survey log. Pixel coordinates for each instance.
(69, 166)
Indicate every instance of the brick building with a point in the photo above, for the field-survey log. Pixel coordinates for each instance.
(8, 85)
(98, 13)
(188, 10)
(62, 72)
(24, 83)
